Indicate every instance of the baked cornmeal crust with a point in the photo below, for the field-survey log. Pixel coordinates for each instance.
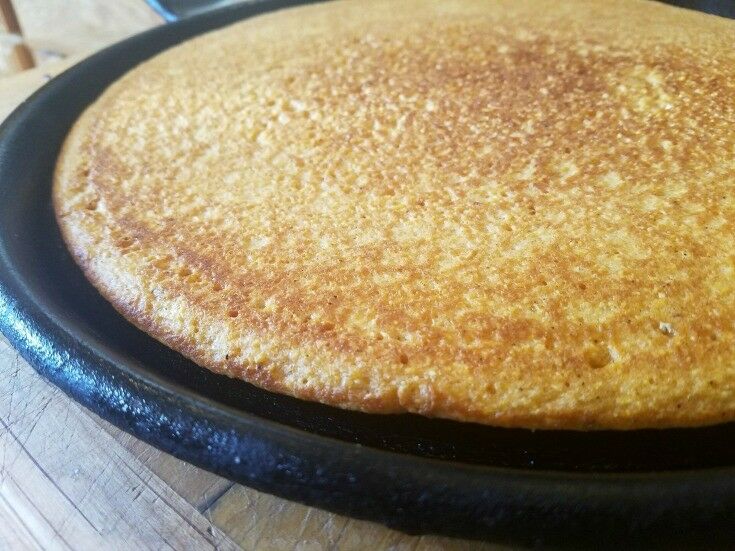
(519, 213)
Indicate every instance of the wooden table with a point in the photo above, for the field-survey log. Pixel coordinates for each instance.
(70, 480)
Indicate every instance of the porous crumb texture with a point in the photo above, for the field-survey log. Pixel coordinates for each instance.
(519, 213)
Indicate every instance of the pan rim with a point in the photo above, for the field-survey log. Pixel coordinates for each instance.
(332, 474)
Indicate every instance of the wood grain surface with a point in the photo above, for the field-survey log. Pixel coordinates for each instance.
(70, 480)
(15, 55)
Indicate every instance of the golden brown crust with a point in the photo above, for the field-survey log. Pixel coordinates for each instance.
(516, 213)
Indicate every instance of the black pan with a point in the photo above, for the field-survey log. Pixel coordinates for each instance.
(415, 474)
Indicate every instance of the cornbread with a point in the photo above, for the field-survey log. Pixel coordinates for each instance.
(518, 213)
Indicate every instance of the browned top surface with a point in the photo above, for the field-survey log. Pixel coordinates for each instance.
(491, 211)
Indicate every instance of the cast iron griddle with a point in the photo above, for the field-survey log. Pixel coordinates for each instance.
(409, 472)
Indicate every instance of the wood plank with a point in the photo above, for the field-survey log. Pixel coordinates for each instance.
(14, 90)
(8, 65)
(71, 484)
(198, 487)
(44, 509)
(8, 19)
(68, 27)
(256, 520)
(21, 57)
(15, 532)
(14, 53)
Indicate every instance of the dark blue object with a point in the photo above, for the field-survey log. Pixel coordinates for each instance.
(416, 474)
(172, 10)
(724, 8)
